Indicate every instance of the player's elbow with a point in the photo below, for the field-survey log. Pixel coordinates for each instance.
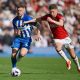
(61, 24)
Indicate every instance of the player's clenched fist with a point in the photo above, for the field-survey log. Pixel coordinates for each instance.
(18, 32)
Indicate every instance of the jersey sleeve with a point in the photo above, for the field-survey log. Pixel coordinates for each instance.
(33, 24)
(29, 18)
(59, 16)
(14, 26)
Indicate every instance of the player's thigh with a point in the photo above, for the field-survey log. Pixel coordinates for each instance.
(24, 51)
(16, 43)
(15, 46)
(69, 46)
(66, 40)
(70, 49)
(25, 47)
(58, 44)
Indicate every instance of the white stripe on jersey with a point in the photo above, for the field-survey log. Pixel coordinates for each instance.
(21, 22)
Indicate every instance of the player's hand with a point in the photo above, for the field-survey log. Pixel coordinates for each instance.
(18, 32)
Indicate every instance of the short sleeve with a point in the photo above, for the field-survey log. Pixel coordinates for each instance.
(29, 18)
(59, 16)
(14, 26)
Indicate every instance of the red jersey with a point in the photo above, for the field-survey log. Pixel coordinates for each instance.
(58, 32)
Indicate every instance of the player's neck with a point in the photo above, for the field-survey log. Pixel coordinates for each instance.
(20, 17)
(54, 16)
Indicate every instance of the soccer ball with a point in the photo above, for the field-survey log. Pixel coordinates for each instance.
(15, 72)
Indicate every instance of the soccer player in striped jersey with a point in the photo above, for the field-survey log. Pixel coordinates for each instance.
(22, 34)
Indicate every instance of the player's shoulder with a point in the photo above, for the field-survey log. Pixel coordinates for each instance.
(15, 18)
(60, 16)
(27, 17)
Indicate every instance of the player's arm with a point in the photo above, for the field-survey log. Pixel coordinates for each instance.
(30, 21)
(16, 31)
(36, 19)
(59, 23)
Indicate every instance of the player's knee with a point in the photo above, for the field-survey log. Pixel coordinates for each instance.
(13, 55)
(14, 52)
(58, 49)
(23, 54)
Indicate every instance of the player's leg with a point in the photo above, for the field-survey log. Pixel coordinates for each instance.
(24, 50)
(58, 47)
(71, 51)
(15, 48)
(13, 57)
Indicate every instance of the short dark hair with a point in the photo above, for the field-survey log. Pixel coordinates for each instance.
(21, 5)
(52, 6)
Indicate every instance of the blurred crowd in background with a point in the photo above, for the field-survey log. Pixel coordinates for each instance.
(70, 9)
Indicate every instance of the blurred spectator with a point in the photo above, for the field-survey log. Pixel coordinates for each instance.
(41, 43)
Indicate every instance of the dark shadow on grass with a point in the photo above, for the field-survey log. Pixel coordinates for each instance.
(7, 74)
(4, 73)
(47, 73)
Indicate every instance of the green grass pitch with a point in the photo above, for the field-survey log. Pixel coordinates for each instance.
(39, 69)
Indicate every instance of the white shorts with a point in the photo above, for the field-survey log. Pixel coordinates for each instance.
(67, 42)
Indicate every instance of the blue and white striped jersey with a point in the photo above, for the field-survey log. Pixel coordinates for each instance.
(25, 29)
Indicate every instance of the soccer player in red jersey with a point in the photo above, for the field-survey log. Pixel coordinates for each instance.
(61, 37)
